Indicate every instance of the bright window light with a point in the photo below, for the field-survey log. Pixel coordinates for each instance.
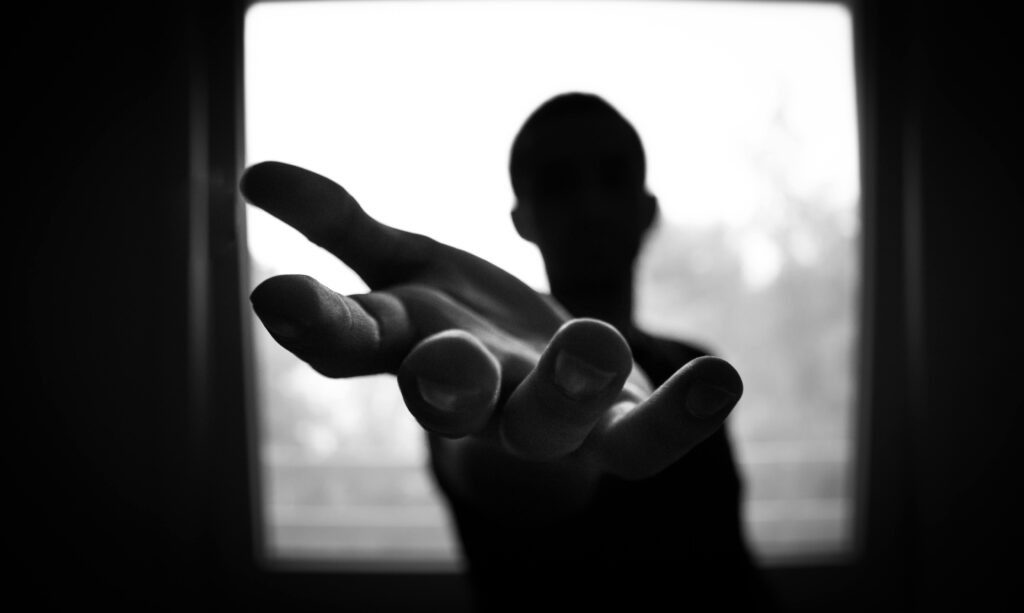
(748, 114)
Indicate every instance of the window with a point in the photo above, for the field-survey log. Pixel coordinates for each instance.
(748, 114)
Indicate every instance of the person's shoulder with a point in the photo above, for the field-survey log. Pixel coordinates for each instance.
(661, 356)
(670, 346)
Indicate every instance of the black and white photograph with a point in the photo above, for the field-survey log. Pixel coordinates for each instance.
(515, 305)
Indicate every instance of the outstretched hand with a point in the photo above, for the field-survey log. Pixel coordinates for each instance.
(526, 405)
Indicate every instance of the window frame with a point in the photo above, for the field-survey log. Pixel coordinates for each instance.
(221, 381)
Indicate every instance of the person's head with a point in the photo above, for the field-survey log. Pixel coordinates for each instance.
(578, 173)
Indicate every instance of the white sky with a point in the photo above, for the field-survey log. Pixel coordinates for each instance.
(413, 105)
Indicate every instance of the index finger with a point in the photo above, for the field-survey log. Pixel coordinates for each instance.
(326, 214)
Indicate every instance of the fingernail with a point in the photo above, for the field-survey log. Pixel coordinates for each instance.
(579, 379)
(440, 395)
(707, 399)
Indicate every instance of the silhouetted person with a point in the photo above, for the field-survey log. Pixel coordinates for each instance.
(575, 478)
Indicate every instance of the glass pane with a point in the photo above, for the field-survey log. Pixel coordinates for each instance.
(748, 115)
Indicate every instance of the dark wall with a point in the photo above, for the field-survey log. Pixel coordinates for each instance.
(112, 453)
(966, 132)
(100, 170)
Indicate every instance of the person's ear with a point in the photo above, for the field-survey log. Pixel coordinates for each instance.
(523, 220)
(648, 211)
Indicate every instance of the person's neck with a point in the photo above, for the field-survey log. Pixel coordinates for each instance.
(610, 301)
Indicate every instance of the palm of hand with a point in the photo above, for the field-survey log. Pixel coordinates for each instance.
(525, 406)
